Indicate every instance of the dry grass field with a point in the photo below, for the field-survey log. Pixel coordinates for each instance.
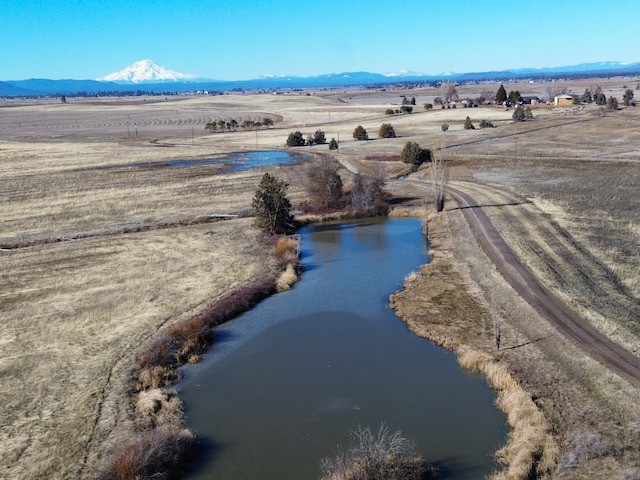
(102, 246)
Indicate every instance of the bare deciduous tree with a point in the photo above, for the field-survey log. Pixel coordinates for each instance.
(439, 171)
(553, 91)
(449, 91)
(323, 183)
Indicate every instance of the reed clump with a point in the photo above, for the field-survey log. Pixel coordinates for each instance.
(531, 451)
(378, 456)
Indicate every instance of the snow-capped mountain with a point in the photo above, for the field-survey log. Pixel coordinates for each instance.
(146, 71)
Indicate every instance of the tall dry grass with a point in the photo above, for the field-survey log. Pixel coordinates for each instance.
(531, 451)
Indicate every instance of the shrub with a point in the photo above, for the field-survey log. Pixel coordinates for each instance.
(333, 145)
(428, 106)
(157, 376)
(445, 127)
(486, 124)
(319, 138)
(158, 453)
(359, 133)
(389, 111)
(414, 155)
(287, 250)
(368, 195)
(323, 184)
(522, 114)
(406, 109)
(386, 131)
(381, 456)
(295, 139)
(468, 125)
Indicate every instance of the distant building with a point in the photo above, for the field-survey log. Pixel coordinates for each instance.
(563, 100)
(530, 100)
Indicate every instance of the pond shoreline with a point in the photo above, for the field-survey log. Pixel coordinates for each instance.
(438, 304)
(165, 411)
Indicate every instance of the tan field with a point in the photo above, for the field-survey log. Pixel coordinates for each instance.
(103, 246)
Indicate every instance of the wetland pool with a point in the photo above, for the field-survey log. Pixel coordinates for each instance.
(288, 382)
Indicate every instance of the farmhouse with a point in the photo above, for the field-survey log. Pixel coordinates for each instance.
(563, 100)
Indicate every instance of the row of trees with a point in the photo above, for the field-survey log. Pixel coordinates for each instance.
(399, 111)
(232, 125)
(297, 139)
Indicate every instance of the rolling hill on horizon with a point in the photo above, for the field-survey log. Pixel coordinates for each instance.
(146, 76)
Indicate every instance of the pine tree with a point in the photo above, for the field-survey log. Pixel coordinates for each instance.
(501, 95)
(319, 137)
(272, 207)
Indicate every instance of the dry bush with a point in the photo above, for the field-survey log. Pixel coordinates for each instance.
(162, 453)
(192, 337)
(287, 278)
(157, 376)
(157, 353)
(287, 250)
(187, 340)
(159, 408)
(381, 456)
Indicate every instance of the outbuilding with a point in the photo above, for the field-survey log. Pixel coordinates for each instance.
(563, 100)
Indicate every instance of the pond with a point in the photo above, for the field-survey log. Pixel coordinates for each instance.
(289, 381)
(236, 162)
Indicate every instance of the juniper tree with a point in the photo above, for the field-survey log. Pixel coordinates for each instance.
(271, 205)
(359, 133)
(501, 95)
(414, 155)
(386, 131)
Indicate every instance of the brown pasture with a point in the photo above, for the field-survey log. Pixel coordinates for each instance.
(101, 249)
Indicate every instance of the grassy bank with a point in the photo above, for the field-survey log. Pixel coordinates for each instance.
(564, 424)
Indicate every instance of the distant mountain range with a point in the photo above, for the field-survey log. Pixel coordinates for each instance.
(146, 76)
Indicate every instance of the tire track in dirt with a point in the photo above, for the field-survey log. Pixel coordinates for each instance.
(601, 348)
(564, 263)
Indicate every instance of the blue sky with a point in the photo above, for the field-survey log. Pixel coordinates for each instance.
(234, 40)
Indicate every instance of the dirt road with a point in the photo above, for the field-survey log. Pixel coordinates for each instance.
(601, 348)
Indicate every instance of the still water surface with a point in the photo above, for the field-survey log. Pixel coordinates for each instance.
(235, 162)
(288, 382)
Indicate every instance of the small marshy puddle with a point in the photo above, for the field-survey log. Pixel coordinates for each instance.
(288, 381)
(235, 162)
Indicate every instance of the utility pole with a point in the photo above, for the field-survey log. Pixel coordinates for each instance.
(515, 153)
